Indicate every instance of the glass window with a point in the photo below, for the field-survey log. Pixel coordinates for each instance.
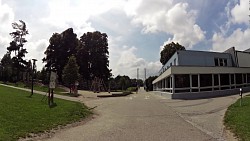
(216, 62)
(194, 80)
(221, 61)
(174, 62)
(216, 79)
(182, 81)
(205, 80)
(224, 62)
(232, 78)
(238, 78)
(224, 79)
(244, 78)
(248, 78)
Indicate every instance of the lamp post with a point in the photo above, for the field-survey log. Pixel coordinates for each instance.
(32, 75)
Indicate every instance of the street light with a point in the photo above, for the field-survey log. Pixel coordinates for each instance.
(32, 75)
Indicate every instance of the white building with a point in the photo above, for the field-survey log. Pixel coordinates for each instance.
(199, 74)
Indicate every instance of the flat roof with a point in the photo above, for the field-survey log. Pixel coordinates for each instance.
(200, 70)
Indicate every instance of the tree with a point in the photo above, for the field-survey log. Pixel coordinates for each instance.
(169, 50)
(149, 82)
(71, 72)
(61, 47)
(6, 63)
(92, 56)
(17, 46)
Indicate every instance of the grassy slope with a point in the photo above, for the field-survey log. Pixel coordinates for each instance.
(237, 119)
(20, 115)
(37, 87)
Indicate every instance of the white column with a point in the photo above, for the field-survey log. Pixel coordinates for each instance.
(173, 83)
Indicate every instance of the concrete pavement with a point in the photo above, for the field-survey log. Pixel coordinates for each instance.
(136, 117)
(146, 116)
(205, 114)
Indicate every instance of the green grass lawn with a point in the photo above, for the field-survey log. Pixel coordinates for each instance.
(44, 88)
(237, 119)
(20, 115)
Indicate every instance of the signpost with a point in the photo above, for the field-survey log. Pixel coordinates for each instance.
(32, 76)
(52, 86)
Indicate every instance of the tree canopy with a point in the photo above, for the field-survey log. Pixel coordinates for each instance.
(169, 50)
(17, 44)
(61, 47)
(71, 72)
(91, 53)
(92, 56)
(149, 81)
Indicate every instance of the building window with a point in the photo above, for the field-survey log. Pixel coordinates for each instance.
(174, 62)
(216, 80)
(224, 79)
(220, 62)
(244, 78)
(248, 78)
(238, 78)
(216, 62)
(194, 80)
(232, 78)
(170, 64)
(205, 80)
(182, 81)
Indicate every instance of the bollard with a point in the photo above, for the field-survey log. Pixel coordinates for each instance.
(240, 96)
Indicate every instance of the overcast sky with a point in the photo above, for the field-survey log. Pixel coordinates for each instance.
(136, 29)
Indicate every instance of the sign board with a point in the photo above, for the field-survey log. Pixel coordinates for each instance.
(52, 82)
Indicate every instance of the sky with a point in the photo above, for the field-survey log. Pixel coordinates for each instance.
(137, 29)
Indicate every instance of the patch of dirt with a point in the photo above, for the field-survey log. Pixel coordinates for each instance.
(228, 135)
(52, 132)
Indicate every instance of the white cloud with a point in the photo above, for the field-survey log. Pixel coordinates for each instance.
(175, 19)
(36, 51)
(65, 13)
(238, 39)
(240, 12)
(124, 61)
(6, 18)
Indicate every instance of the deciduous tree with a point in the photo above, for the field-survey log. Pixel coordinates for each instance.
(61, 47)
(17, 46)
(71, 72)
(169, 50)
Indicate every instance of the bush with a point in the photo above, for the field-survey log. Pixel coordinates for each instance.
(132, 89)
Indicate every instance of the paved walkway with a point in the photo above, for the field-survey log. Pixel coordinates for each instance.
(138, 117)
(145, 116)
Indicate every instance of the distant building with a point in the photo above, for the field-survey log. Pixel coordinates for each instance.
(198, 74)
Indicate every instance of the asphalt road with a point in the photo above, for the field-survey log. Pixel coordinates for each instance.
(138, 117)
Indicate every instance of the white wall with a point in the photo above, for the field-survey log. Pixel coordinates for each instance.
(243, 59)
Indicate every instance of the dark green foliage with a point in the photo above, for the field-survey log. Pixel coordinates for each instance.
(70, 72)
(149, 85)
(6, 64)
(92, 56)
(91, 53)
(123, 83)
(169, 50)
(44, 76)
(19, 63)
(61, 47)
